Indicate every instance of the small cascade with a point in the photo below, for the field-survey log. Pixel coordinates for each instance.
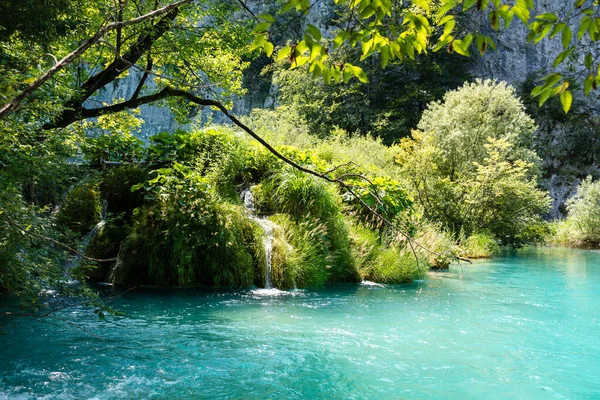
(75, 260)
(267, 227)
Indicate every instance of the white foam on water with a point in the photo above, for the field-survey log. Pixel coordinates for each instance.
(370, 283)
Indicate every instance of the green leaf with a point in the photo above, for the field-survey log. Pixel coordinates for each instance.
(552, 79)
(137, 187)
(583, 27)
(494, 20)
(547, 17)
(566, 99)
(367, 12)
(562, 56)
(468, 4)
(267, 17)
(384, 52)
(360, 74)
(446, 6)
(588, 84)
(481, 44)
(262, 27)
(542, 34)
(537, 90)
(567, 34)
(268, 48)
(588, 60)
(558, 28)
(424, 4)
(258, 42)
(336, 73)
(284, 53)
(461, 48)
(340, 38)
(445, 19)
(314, 32)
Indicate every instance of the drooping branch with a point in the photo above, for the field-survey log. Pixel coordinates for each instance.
(172, 92)
(14, 103)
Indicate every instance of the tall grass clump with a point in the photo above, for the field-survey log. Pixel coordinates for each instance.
(479, 245)
(315, 207)
(189, 235)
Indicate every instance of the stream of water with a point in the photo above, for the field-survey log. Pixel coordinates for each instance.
(515, 327)
(267, 227)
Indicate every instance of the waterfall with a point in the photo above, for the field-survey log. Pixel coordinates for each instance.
(75, 260)
(267, 227)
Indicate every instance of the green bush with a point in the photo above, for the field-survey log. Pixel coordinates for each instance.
(306, 257)
(393, 265)
(471, 168)
(440, 249)
(82, 207)
(115, 185)
(118, 147)
(463, 122)
(582, 225)
(479, 245)
(584, 210)
(189, 235)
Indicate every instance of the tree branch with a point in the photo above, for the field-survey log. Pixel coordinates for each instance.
(14, 103)
(172, 92)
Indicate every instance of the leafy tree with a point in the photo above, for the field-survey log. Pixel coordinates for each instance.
(584, 211)
(476, 174)
(461, 124)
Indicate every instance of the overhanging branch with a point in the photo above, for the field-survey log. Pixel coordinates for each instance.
(14, 103)
(172, 92)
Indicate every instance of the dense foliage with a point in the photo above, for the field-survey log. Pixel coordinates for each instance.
(582, 225)
(69, 154)
(471, 166)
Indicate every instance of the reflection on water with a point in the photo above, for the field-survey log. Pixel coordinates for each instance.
(519, 326)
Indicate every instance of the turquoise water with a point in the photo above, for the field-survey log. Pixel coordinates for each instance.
(521, 326)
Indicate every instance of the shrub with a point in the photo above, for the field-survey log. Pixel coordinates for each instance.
(393, 265)
(461, 124)
(306, 257)
(82, 207)
(479, 245)
(582, 225)
(440, 248)
(471, 168)
(301, 195)
(115, 185)
(119, 147)
(190, 236)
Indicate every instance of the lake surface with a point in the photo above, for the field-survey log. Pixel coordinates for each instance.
(515, 327)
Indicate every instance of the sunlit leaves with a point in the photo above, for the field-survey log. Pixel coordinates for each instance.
(566, 99)
(392, 32)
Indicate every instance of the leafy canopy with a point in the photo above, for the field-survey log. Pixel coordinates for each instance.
(402, 30)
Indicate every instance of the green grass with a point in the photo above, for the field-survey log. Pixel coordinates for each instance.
(481, 245)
